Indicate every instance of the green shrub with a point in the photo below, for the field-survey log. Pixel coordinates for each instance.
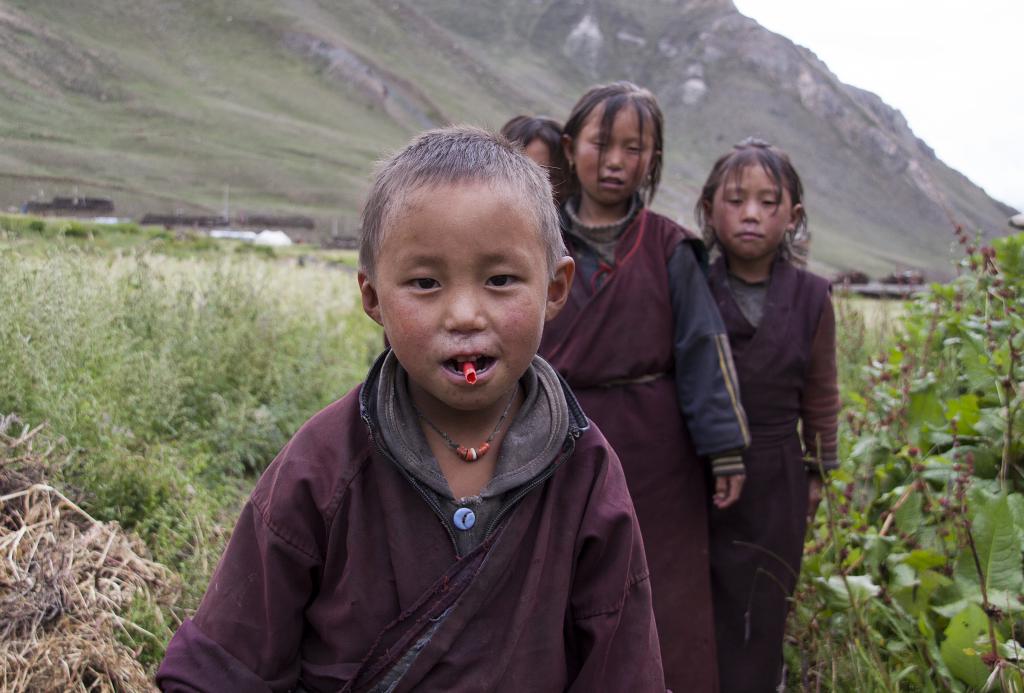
(74, 229)
(19, 224)
(252, 249)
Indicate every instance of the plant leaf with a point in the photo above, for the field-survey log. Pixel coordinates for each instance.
(1016, 503)
(920, 559)
(964, 410)
(959, 646)
(999, 555)
(862, 588)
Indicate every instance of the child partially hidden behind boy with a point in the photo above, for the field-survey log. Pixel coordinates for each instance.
(453, 524)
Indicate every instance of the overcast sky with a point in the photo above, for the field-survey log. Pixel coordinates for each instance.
(955, 69)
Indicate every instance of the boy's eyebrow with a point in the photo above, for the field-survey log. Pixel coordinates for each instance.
(492, 258)
(497, 256)
(422, 259)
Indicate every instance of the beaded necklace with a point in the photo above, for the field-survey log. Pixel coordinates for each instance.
(470, 454)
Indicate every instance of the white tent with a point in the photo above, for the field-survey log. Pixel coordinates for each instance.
(275, 238)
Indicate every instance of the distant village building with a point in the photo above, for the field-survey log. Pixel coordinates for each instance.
(851, 277)
(904, 277)
(70, 207)
(898, 285)
(172, 220)
(261, 221)
(270, 221)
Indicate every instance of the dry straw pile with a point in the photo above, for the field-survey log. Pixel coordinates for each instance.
(66, 582)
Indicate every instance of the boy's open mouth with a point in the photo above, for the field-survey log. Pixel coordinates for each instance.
(480, 364)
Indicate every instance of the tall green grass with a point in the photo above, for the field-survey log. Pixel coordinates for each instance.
(865, 327)
(168, 383)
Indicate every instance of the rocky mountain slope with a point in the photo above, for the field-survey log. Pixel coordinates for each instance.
(180, 105)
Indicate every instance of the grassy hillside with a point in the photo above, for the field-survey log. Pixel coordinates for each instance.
(283, 107)
(178, 102)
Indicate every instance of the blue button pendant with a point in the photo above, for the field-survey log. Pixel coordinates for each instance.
(464, 518)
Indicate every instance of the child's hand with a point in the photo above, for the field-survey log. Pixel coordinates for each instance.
(727, 490)
(814, 484)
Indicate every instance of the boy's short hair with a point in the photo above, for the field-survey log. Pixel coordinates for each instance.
(452, 155)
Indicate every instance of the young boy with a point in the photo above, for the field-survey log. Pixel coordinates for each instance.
(453, 523)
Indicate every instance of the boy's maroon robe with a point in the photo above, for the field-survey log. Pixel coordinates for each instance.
(758, 575)
(338, 565)
(615, 348)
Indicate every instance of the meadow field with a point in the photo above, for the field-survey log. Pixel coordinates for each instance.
(166, 371)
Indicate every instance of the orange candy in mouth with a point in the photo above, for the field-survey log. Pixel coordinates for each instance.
(469, 371)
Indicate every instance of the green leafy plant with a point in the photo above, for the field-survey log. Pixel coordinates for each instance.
(913, 575)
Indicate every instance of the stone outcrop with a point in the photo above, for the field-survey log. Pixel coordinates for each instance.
(720, 76)
(377, 87)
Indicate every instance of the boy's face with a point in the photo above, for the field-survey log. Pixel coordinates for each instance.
(462, 276)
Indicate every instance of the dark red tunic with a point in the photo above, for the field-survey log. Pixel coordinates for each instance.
(779, 363)
(338, 566)
(615, 348)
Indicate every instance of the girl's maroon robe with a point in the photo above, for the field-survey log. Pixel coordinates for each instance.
(786, 368)
(615, 348)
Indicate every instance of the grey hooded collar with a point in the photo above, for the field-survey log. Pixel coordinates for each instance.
(532, 441)
(602, 239)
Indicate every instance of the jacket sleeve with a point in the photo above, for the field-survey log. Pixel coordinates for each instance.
(247, 632)
(615, 640)
(195, 664)
(706, 383)
(819, 402)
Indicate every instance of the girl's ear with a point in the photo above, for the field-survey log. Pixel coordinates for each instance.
(706, 206)
(567, 149)
(648, 174)
(796, 215)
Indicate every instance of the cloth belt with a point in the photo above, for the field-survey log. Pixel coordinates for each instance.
(765, 435)
(621, 382)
